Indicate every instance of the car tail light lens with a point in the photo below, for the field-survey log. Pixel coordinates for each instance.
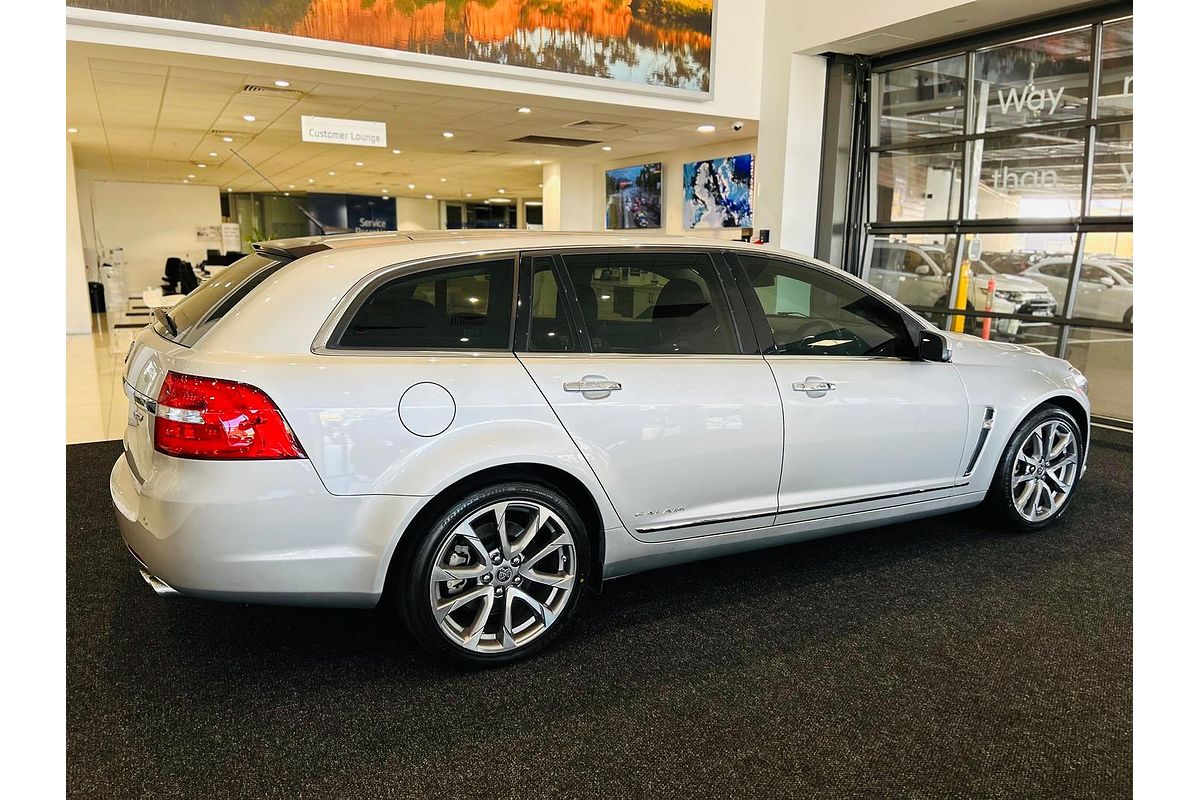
(217, 419)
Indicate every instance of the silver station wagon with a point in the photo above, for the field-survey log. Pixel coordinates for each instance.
(475, 428)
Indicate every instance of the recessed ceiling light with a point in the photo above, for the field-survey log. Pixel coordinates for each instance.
(358, 163)
(499, 199)
(533, 202)
(606, 148)
(443, 180)
(282, 84)
(287, 194)
(249, 117)
(385, 191)
(191, 176)
(312, 180)
(524, 110)
(395, 152)
(185, 180)
(539, 186)
(428, 197)
(412, 186)
(331, 172)
(470, 195)
(448, 134)
(706, 128)
(537, 161)
(202, 166)
(212, 155)
(229, 188)
(72, 130)
(226, 138)
(501, 191)
(291, 186)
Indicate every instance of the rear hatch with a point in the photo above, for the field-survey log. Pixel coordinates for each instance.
(166, 345)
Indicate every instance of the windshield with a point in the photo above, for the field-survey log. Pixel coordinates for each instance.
(1125, 273)
(195, 313)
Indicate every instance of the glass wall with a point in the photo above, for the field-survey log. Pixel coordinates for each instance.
(1001, 195)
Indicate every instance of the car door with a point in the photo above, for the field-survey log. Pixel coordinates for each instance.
(639, 354)
(866, 424)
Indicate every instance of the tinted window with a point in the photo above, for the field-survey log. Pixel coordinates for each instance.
(465, 307)
(200, 310)
(652, 303)
(814, 314)
(549, 324)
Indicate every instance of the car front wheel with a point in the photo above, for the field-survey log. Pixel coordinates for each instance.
(498, 575)
(1038, 474)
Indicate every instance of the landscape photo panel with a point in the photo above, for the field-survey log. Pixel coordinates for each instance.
(634, 197)
(718, 193)
(649, 42)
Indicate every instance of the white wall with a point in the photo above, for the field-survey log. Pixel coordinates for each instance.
(79, 315)
(672, 200)
(414, 214)
(153, 221)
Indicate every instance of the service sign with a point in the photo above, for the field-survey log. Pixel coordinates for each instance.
(329, 130)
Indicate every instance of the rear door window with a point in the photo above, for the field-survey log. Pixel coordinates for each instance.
(203, 307)
(464, 307)
(652, 302)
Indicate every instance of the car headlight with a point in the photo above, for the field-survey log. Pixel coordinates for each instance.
(1079, 381)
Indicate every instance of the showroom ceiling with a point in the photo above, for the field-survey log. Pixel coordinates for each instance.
(152, 116)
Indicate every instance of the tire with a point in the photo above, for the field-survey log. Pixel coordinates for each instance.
(1129, 316)
(513, 610)
(1054, 481)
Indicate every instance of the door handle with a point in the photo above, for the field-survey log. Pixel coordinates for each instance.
(593, 387)
(813, 386)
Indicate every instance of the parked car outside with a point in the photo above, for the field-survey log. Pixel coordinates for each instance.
(1105, 288)
(473, 430)
(919, 275)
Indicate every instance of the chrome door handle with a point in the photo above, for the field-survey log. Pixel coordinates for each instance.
(813, 386)
(593, 387)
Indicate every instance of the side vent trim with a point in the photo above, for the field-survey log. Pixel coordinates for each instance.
(989, 420)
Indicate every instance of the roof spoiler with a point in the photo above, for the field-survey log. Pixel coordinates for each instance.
(289, 252)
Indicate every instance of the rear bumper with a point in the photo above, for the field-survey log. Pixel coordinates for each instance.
(265, 532)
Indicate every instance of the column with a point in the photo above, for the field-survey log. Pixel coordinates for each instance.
(79, 312)
(568, 197)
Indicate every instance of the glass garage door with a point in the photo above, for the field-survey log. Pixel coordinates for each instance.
(1001, 196)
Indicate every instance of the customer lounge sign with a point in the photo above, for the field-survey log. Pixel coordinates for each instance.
(330, 130)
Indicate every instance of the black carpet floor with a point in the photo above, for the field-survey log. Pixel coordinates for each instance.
(941, 658)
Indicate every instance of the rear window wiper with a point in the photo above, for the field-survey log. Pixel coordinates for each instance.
(162, 316)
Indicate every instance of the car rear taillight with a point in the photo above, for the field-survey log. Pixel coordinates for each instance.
(212, 418)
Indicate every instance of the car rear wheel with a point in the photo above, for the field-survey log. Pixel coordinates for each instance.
(1039, 472)
(497, 576)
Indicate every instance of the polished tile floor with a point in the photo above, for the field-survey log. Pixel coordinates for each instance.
(96, 405)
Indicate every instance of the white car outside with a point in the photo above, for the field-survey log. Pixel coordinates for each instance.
(919, 275)
(1105, 288)
(476, 428)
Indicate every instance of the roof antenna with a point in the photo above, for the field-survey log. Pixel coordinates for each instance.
(324, 229)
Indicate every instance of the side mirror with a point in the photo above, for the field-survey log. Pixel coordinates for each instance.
(933, 346)
(921, 269)
(1107, 282)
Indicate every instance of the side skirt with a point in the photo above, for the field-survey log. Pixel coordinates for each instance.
(627, 555)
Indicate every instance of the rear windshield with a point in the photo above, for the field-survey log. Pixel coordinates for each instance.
(201, 309)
